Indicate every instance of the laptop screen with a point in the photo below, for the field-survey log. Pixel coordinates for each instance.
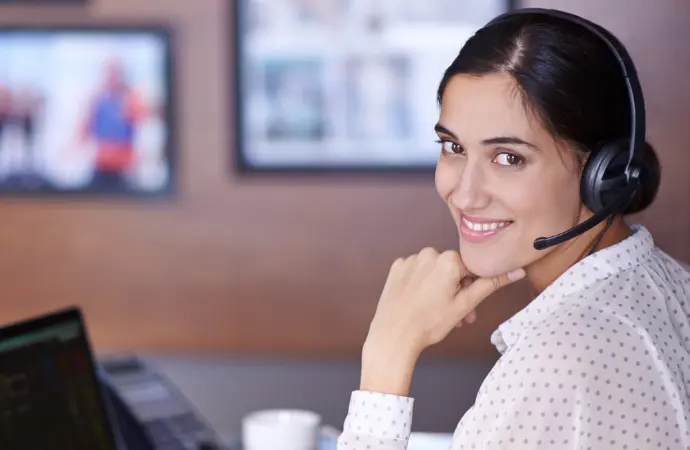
(49, 392)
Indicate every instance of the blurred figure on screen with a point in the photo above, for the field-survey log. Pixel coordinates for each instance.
(111, 123)
(27, 106)
(5, 111)
(294, 93)
(377, 103)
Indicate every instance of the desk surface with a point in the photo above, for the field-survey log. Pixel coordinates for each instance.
(225, 388)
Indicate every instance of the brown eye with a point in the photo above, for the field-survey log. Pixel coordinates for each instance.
(450, 147)
(508, 159)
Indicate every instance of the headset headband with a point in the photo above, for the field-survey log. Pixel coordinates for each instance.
(632, 82)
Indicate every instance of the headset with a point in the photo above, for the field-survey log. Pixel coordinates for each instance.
(604, 190)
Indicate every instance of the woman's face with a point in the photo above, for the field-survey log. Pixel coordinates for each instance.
(505, 179)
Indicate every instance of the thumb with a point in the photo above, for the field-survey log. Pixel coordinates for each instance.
(481, 288)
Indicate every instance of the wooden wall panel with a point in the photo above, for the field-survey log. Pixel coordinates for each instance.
(284, 265)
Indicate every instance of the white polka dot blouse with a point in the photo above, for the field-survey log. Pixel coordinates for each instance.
(599, 360)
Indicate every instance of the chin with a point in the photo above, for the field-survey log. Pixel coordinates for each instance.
(485, 264)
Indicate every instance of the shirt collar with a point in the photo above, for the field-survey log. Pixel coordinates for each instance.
(598, 266)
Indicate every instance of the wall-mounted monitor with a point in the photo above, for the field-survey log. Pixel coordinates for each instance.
(86, 110)
(342, 85)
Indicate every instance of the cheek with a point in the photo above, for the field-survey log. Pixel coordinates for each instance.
(445, 179)
(540, 207)
(545, 206)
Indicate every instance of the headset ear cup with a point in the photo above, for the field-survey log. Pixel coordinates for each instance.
(604, 176)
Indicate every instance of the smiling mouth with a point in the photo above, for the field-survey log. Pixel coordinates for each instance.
(478, 232)
(485, 226)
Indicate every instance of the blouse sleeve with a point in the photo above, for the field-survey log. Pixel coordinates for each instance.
(377, 421)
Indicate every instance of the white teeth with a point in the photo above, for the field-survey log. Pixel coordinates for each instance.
(484, 226)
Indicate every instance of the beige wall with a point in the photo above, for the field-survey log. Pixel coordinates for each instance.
(206, 271)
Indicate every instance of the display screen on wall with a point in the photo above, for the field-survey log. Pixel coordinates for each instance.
(345, 84)
(86, 111)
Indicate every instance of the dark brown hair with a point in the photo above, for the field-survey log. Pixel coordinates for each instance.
(566, 75)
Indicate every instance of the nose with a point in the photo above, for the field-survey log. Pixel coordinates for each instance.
(470, 193)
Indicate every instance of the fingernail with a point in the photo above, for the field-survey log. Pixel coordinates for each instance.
(516, 274)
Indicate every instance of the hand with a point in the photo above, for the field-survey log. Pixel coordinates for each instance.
(471, 317)
(425, 296)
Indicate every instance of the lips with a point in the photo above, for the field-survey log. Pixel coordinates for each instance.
(479, 230)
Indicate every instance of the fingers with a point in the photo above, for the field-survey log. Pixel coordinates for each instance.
(481, 288)
(424, 258)
(404, 266)
(397, 268)
(427, 253)
(469, 319)
(395, 274)
(451, 261)
(467, 280)
(449, 264)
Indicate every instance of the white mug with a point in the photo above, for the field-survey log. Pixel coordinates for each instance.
(284, 429)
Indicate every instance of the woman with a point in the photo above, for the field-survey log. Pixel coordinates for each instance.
(601, 356)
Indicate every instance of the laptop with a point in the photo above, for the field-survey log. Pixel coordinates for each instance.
(50, 393)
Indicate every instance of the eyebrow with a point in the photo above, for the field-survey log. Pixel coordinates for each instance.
(491, 141)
